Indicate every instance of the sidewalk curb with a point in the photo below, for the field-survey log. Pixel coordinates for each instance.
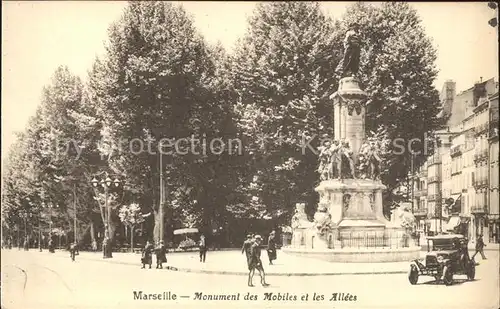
(424, 248)
(239, 273)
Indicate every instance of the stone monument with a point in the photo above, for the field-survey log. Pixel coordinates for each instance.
(349, 224)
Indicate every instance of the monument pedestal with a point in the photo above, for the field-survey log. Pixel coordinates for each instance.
(349, 225)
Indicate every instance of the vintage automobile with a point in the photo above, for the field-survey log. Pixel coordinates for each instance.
(447, 256)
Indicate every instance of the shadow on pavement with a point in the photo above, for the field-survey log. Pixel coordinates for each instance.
(459, 281)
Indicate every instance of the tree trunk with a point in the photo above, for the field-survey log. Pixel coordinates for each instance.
(158, 219)
(132, 239)
(112, 231)
(92, 231)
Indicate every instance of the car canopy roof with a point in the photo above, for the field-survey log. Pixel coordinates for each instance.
(446, 236)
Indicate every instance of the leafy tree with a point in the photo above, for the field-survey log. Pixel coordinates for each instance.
(55, 151)
(282, 75)
(71, 131)
(156, 81)
(131, 215)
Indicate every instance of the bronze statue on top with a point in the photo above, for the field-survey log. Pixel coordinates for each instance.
(349, 65)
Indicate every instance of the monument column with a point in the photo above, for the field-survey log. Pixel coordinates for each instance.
(349, 113)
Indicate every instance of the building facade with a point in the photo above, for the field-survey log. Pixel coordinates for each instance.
(493, 220)
(468, 194)
(420, 198)
(463, 171)
(481, 158)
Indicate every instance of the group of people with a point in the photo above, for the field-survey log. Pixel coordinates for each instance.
(330, 162)
(252, 247)
(147, 254)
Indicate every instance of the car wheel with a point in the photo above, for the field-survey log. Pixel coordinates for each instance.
(413, 275)
(447, 276)
(471, 271)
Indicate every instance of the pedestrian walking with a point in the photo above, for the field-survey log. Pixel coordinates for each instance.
(94, 245)
(26, 244)
(203, 248)
(161, 254)
(147, 255)
(479, 247)
(271, 247)
(105, 245)
(73, 251)
(255, 262)
(51, 245)
(246, 248)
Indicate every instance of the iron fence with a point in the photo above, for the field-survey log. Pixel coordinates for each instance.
(377, 241)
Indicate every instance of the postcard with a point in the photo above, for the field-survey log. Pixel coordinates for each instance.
(250, 154)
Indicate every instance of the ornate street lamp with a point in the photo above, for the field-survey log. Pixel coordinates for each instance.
(106, 184)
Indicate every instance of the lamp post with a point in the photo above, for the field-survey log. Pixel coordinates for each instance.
(161, 197)
(49, 206)
(412, 183)
(40, 232)
(106, 183)
(74, 219)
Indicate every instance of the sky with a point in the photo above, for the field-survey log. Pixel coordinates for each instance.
(37, 37)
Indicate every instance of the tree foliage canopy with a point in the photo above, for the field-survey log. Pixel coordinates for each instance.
(160, 83)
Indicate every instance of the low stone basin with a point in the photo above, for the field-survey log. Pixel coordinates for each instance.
(358, 255)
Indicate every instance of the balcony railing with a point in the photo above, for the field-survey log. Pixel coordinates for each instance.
(434, 160)
(479, 209)
(434, 197)
(420, 212)
(433, 179)
(481, 128)
(481, 155)
(457, 172)
(456, 150)
(479, 183)
(493, 131)
(422, 192)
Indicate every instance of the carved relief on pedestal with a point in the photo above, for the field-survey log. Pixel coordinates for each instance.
(372, 200)
(346, 201)
(299, 219)
(322, 220)
(354, 105)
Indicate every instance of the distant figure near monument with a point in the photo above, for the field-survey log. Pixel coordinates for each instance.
(349, 65)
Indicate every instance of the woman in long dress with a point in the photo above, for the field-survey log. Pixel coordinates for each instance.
(147, 255)
(161, 254)
(271, 247)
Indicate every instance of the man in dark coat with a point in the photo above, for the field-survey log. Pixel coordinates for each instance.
(147, 255)
(73, 251)
(247, 244)
(479, 247)
(271, 247)
(105, 247)
(161, 252)
(255, 262)
(51, 245)
(26, 244)
(203, 248)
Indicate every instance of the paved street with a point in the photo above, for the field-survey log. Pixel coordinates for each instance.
(40, 280)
